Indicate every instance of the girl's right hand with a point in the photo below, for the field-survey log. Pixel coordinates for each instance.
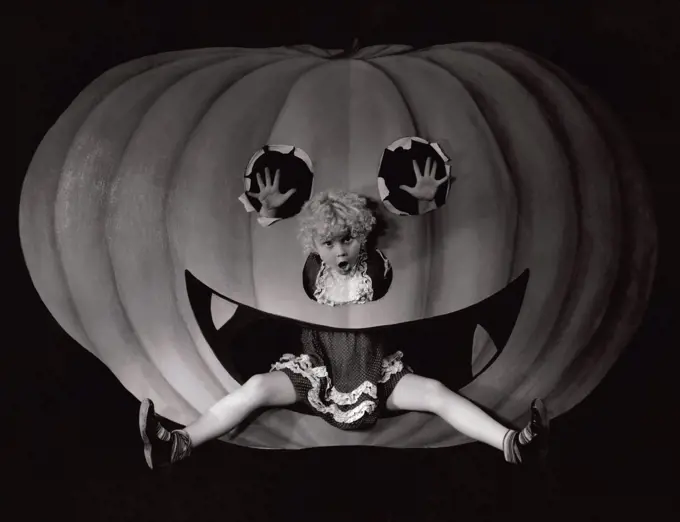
(426, 185)
(269, 196)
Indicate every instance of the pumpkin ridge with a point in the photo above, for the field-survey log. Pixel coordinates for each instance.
(177, 154)
(139, 66)
(608, 294)
(591, 108)
(92, 96)
(503, 144)
(609, 133)
(483, 110)
(171, 182)
(489, 134)
(431, 222)
(555, 275)
(293, 67)
(580, 267)
(112, 178)
(180, 176)
(290, 89)
(500, 139)
(620, 147)
(173, 179)
(114, 171)
(414, 122)
(500, 135)
(311, 50)
(170, 178)
(417, 132)
(376, 51)
(275, 123)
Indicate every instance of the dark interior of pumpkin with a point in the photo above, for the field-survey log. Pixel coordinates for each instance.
(293, 174)
(396, 169)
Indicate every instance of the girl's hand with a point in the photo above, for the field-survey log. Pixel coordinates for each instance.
(426, 185)
(269, 195)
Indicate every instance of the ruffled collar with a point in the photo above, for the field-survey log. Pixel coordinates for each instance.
(333, 288)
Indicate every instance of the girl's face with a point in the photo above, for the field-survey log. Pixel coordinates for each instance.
(339, 252)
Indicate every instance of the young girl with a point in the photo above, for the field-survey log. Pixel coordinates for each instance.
(349, 378)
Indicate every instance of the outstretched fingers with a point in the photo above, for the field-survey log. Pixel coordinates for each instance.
(430, 169)
(259, 181)
(407, 189)
(266, 185)
(446, 178)
(416, 169)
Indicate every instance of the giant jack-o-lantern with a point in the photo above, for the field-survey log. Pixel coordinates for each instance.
(132, 197)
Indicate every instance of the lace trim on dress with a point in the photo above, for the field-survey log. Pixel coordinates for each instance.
(391, 365)
(343, 399)
(302, 365)
(336, 289)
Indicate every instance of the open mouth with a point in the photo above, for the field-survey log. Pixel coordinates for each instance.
(451, 348)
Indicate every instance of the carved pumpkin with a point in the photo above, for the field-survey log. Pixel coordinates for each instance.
(131, 200)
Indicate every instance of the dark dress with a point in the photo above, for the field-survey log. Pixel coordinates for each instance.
(345, 376)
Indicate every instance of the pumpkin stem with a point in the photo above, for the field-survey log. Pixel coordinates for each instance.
(350, 50)
(355, 44)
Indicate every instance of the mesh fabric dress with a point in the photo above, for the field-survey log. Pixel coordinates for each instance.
(343, 376)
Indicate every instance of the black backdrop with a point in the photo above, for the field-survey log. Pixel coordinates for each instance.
(73, 447)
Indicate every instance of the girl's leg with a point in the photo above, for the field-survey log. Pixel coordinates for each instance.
(264, 390)
(416, 393)
(162, 447)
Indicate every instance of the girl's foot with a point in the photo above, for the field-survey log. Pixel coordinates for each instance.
(529, 446)
(161, 447)
(539, 431)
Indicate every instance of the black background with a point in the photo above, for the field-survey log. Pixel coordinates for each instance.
(73, 448)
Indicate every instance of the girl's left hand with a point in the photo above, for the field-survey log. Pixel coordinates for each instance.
(426, 184)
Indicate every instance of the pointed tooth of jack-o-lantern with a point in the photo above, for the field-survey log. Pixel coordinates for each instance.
(221, 311)
(484, 350)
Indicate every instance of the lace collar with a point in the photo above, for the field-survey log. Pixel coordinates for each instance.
(333, 288)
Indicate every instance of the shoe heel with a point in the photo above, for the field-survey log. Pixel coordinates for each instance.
(539, 406)
(143, 418)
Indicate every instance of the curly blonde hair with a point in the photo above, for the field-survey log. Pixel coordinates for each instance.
(333, 213)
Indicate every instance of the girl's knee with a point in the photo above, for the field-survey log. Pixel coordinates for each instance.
(433, 394)
(270, 389)
(416, 393)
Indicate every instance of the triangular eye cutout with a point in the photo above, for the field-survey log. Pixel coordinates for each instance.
(278, 180)
(484, 351)
(414, 176)
(221, 311)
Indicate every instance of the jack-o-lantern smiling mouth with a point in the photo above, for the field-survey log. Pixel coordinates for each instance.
(442, 347)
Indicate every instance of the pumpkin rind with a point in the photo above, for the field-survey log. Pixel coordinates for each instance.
(139, 178)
